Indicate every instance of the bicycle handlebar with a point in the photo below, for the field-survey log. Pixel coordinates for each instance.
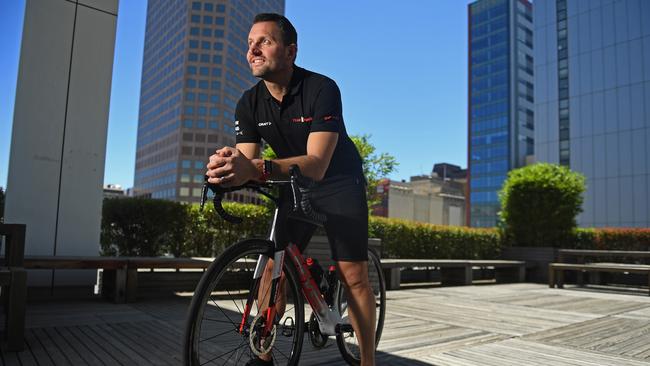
(300, 188)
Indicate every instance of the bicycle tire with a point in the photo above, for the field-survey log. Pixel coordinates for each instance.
(196, 351)
(346, 341)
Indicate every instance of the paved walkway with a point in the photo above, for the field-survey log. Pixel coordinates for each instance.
(500, 325)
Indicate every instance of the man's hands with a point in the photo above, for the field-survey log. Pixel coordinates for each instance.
(230, 168)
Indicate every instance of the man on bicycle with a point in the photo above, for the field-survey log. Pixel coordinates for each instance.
(299, 114)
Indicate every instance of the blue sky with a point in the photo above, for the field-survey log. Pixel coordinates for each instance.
(401, 68)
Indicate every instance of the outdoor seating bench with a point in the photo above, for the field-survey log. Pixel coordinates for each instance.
(453, 271)
(13, 285)
(119, 279)
(556, 270)
(602, 257)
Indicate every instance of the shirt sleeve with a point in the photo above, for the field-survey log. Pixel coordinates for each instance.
(328, 112)
(245, 129)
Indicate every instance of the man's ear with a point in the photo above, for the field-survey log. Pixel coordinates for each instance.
(292, 50)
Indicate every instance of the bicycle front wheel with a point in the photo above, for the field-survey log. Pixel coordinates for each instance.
(214, 334)
(347, 341)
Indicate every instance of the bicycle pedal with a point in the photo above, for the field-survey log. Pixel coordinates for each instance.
(288, 329)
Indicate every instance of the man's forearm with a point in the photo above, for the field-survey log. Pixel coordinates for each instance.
(310, 166)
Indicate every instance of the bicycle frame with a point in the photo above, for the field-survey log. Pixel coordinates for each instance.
(328, 318)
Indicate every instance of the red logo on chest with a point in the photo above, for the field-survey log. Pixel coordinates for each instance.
(302, 119)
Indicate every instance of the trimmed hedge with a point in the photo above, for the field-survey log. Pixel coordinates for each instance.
(147, 227)
(142, 227)
(407, 239)
(612, 239)
(208, 234)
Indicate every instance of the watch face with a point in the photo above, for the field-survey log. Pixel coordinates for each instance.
(268, 167)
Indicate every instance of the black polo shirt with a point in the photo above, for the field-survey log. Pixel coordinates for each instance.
(313, 104)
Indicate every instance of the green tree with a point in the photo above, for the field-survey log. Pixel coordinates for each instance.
(539, 204)
(375, 166)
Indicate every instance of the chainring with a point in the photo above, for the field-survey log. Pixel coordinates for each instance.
(318, 340)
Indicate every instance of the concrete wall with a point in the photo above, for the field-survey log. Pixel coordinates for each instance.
(58, 145)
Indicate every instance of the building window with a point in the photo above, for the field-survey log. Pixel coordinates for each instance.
(563, 82)
(184, 192)
(196, 5)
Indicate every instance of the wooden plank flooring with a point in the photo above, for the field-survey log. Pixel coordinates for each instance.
(500, 325)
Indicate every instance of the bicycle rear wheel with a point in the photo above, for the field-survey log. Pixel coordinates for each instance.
(347, 341)
(212, 333)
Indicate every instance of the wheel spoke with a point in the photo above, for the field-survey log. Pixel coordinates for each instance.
(215, 336)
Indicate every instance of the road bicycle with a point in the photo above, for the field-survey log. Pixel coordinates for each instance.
(234, 315)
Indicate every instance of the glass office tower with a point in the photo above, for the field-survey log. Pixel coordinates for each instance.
(193, 72)
(501, 104)
(592, 79)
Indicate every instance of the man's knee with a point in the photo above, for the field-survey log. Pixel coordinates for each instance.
(354, 275)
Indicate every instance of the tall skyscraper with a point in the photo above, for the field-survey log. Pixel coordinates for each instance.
(193, 72)
(501, 104)
(592, 94)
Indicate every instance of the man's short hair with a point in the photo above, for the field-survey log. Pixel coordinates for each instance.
(289, 34)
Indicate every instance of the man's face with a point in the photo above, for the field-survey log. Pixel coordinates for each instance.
(267, 54)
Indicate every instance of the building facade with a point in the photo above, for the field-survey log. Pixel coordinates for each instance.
(437, 199)
(501, 100)
(194, 71)
(592, 78)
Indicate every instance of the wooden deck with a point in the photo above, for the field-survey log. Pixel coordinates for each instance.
(511, 324)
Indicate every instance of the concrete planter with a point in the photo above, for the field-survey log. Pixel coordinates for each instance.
(536, 258)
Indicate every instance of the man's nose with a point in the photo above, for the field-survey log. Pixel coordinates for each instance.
(254, 50)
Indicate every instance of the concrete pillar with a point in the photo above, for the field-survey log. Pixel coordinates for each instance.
(58, 142)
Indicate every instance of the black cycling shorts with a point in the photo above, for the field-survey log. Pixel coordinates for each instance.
(343, 201)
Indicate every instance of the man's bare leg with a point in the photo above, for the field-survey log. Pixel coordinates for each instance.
(361, 307)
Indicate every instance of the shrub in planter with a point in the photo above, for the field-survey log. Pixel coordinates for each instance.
(539, 205)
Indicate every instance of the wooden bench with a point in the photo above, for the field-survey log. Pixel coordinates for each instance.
(453, 271)
(556, 270)
(13, 285)
(121, 276)
(595, 262)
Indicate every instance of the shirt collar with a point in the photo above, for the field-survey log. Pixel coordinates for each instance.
(294, 85)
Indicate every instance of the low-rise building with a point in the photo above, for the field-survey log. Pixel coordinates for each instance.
(437, 199)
